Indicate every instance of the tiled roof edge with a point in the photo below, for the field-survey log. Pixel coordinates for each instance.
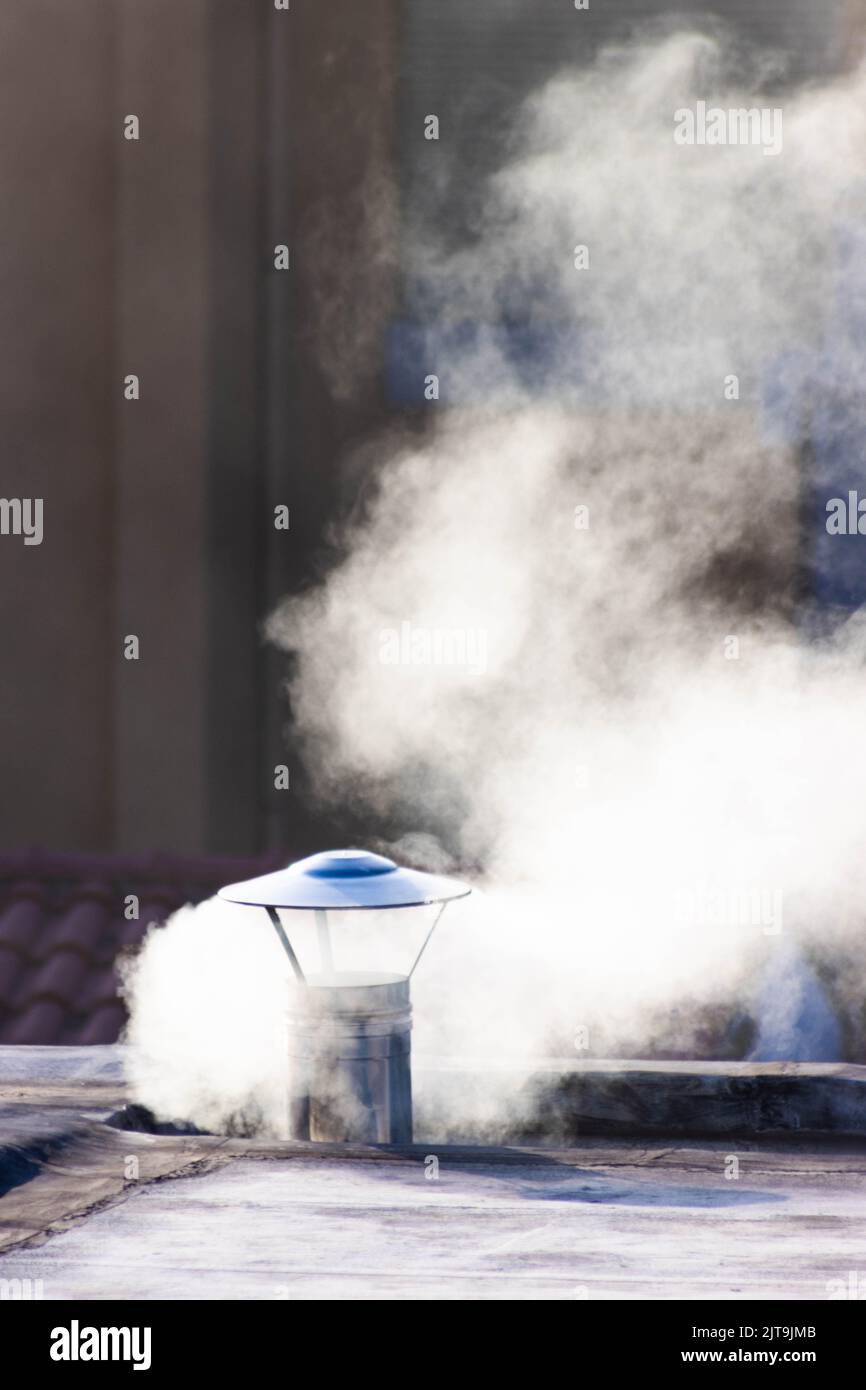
(158, 867)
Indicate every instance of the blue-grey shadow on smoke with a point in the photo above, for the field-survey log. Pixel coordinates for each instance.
(795, 1019)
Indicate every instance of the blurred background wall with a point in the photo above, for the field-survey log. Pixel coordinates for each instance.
(155, 257)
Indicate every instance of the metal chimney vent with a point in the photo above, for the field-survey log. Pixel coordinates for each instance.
(349, 1030)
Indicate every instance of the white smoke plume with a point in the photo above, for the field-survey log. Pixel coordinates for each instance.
(207, 1032)
(563, 638)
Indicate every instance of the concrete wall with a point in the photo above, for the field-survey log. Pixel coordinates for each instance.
(57, 325)
(258, 387)
(160, 465)
(155, 257)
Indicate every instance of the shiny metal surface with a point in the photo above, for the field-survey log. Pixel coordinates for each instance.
(350, 1059)
(347, 879)
(349, 1034)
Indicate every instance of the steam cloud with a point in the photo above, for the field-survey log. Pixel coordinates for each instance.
(661, 819)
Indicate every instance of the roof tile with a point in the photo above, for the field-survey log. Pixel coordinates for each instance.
(11, 967)
(41, 1022)
(101, 988)
(20, 923)
(63, 925)
(61, 978)
(104, 1025)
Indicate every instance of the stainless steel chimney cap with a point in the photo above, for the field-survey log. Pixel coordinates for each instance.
(344, 880)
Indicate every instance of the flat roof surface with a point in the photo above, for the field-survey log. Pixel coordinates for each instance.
(94, 1212)
(617, 1223)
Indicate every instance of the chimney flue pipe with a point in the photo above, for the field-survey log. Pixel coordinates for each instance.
(349, 1030)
